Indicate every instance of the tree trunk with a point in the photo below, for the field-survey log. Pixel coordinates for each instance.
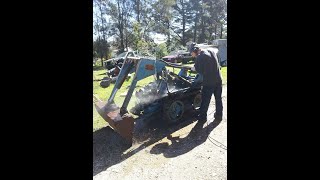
(201, 37)
(102, 30)
(183, 23)
(202, 27)
(126, 38)
(210, 33)
(120, 26)
(183, 31)
(105, 47)
(121, 40)
(101, 53)
(215, 31)
(168, 34)
(138, 11)
(195, 29)
(203, 31)
(221, 29)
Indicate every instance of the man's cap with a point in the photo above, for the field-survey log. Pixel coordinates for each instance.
(193, 47)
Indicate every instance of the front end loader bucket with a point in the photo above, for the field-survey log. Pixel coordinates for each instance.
(121, 124)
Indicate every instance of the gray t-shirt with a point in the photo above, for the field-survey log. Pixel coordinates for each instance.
(207, 65)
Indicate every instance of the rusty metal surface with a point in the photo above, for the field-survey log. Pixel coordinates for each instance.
(122, 124)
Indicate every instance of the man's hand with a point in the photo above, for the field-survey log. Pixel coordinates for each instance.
(193, 70)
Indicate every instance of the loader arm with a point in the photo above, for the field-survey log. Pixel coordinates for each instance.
(127, 67)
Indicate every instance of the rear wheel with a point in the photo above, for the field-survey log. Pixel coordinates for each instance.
(173, 111)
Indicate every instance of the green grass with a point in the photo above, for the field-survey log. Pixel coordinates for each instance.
(104, 93)
(224, 75)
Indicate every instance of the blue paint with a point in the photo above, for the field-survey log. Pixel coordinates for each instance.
(142, 72)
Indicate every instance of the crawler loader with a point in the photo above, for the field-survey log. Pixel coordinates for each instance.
(166, 99)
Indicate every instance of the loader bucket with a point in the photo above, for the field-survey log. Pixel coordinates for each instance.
(121, 124)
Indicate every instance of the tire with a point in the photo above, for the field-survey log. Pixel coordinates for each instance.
(105, 82)
(173, 111)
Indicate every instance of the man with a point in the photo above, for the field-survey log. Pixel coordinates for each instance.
(206, 64)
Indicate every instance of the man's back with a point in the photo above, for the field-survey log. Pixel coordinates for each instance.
(208, 66)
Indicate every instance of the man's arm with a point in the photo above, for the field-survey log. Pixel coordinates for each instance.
(215, 58)
(198, 64)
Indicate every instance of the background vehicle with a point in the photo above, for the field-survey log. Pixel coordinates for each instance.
(221, 44)
(178, 56)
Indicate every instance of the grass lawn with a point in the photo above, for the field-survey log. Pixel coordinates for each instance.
(104, 93)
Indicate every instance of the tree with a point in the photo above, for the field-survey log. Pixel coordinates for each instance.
(139, 43)
(183, 16)
(209, 19)
(216, 18)
(161, 50)
(143, 12)
(162, 15)
(131, 23)
(195, 4)
(120, 11)
(219, 17)
(100, 29)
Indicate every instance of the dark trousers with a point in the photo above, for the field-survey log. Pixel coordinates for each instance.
(206, 94)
